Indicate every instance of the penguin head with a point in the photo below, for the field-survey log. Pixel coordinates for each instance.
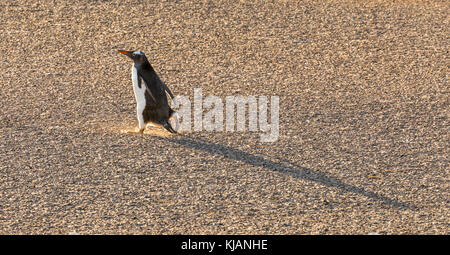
(137, 56)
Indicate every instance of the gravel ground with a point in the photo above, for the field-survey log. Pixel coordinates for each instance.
(364, 109)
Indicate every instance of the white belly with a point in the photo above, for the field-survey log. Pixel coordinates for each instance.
(139, 93)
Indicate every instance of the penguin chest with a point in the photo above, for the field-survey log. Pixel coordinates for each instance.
(139, 92)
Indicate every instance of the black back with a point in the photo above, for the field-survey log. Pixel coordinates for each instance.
(157, 108)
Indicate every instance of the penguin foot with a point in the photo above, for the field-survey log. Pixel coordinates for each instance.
(132, 131)
(149, 124)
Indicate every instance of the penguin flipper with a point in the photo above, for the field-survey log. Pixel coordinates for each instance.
(167, 89)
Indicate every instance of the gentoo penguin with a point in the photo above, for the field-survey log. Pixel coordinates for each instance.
(150, 93)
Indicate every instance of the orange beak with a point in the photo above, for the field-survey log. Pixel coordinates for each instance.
(125, 52)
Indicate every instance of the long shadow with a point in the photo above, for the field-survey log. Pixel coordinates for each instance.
(283, 167)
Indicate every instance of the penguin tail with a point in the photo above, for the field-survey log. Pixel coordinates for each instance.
(168, 127)
(171, 113)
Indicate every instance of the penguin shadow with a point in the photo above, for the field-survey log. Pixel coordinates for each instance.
(282, 166)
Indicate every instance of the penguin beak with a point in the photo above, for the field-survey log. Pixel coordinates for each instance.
(128, 53)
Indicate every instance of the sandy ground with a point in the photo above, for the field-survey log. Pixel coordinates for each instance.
(364, 118)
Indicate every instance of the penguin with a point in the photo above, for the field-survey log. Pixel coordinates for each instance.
(150, 92)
